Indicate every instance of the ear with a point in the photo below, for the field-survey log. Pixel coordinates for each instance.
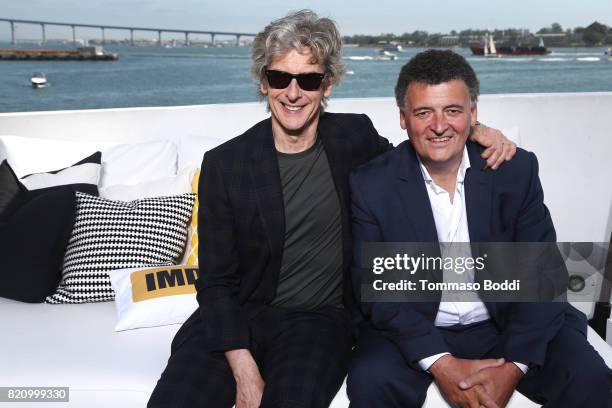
(263, 87)
(473, 114)
(328, 89)
(403, 121)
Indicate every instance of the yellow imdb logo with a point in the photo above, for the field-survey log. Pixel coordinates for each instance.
(166, 281)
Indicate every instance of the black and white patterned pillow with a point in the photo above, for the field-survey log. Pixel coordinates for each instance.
(110, 235)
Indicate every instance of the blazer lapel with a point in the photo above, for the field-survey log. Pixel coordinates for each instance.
(413, 194)
(266, 179)
(338, 151)
(478, 185)
(478, 190)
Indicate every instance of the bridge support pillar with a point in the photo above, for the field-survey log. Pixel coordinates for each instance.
(13, 42)
(131, 36)
(159, 38)
(238, 41)
(103, 36)
(186, 39)
(44, 34)
(73, 35)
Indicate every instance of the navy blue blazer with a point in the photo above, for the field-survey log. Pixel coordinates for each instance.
(390, 204)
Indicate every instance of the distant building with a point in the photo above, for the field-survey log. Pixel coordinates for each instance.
(449, 40)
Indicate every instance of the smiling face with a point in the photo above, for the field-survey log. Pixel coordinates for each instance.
(438, 119)
(295, 112)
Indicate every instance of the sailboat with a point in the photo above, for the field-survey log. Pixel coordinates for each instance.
(492, 49)
(489, 49)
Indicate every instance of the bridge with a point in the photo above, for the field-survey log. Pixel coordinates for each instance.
(131, 29)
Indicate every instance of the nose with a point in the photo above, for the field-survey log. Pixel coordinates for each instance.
(293, 91)
(439, 124)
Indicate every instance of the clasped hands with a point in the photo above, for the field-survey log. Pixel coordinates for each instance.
(476, 383)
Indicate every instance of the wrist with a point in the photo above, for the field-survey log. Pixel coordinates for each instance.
(242, 364)
(514, 371)
(439, 364)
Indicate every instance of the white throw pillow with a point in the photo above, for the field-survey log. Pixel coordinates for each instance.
(83, 176)
(138, 162)
(154, 296)
(121, 164)
(28, 155)
(168, 186)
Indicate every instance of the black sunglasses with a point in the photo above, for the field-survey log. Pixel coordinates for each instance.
(310, 81)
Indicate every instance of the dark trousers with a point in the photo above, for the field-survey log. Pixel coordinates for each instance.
(573, 375)
(302, 356)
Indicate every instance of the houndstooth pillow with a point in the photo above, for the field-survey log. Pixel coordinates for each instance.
(110, 235)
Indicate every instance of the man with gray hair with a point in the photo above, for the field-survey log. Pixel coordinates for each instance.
(273, 326)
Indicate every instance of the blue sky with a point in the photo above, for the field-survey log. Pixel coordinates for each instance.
(353, 16)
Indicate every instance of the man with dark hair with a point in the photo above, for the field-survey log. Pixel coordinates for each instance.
(273, 327)
(434, 188)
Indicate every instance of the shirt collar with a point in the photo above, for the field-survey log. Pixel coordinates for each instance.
(465, 164)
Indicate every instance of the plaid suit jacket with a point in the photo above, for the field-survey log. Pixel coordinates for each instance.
(242, 221)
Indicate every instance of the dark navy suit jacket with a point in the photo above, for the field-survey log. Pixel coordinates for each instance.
(390, 204)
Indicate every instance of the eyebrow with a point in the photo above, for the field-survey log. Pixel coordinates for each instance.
(454, 105)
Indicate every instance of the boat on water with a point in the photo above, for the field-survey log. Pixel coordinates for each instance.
(382, 56)
(39, 80)
(386, 55)
(393, 47)
(489, 48)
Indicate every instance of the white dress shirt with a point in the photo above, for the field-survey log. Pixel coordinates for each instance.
(452, 227)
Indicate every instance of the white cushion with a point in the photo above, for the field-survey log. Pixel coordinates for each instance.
(86, 173)
(139, 305)
(121, 164)
(28, 155)
(173, 185)
(75, 346)
(137, 163)
(191, 149)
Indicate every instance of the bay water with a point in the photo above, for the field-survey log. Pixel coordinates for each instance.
(158, 76)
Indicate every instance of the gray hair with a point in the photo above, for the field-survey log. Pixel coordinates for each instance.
(295, 31)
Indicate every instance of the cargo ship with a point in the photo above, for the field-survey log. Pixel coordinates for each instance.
(488, 48)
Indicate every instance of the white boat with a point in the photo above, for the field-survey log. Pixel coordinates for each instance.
(386, 55)
(39, 80)
(393, 47)
(489, 46)
(361, 58)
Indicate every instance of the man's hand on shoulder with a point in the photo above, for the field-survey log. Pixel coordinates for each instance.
(448, 371)
(249, 384)
(498, 146)
(499, 382)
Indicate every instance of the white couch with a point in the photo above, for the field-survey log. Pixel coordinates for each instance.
(76, 346)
